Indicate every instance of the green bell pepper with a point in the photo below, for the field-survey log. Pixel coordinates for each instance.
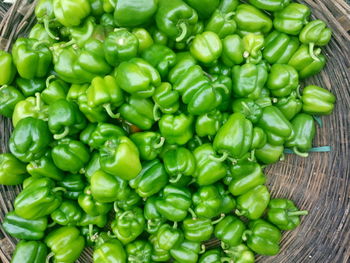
(111, 251)
(282, 80)
(29, 87)
(269, 153)
(259, 138)
(270, 5)
(184, 61)
(28, 229)
(65, 243)
(44, 32)
(149, 144)
(74, 185)
(222, 24)
(30, 139)
(228, 203)
(55, 90)
(208, 124)
(206, 47)
(176, 129)
(290, 106)
(144, 38)
(166, 99)
(92, 166)
(12, 171)
(89, 220)
(198, 229)
(211, 256)
(317, 100)
(8, 68)
(9, 97)
(158, 254)
(154, 219)
(158, 36)
(70, 155)
(292, 18)
(168, 237)
(29, 252)
(139, 251)
(232, 50)
(38, 199)
(70, 12)
(67, 214)
(128, 200)
(207, 201)
(119, 156)
(107, 20)
(240, 254)
(128, 225)
(253, 44)
(186, 252)
(262, 237)
(249, 108)
(253, 203)
(230, 230)
(203, 8)
(90, 205)
(102, 132)
(176, 19)
(284, 214)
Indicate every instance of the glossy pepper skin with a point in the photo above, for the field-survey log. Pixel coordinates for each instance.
(269, 153)
(7, 67)
(29, 252)
(168, 237)
(90, 205)
(270, 5)
(207, 201)
(197, 229)
(12, 171)
(176, 129)
(120, 46)
(241, 254)
(186, 252)
(284, 214)
(211, 256)
(110, 251)
(70, 155)
(39, 33)
(206, 47)
(253, 44)
(144, 37)
(222, 24)
(139, 251)
(134, 13)
(128, 225)
(119, 156)
(148, 143)
(289, 106)
(102, 132)
(209, 123)
(232, 50)
(9, 97)
(166, 99)
(230, 230)
(65, 243)
(292, 18)
(151, 179)
(29, 87)
(317, 100)
(259, 138)
(279, 47)
(87, 220)
(31, 58)
(28, 229)
(154, 219)
(55, 89)
(174, 203)
(253, 203)
(262, 237)
(176, 19)
(74, 185)
(203, 8)
(282, 80)
(67, 214)
(249, 108)
(315, 33)
(38, 199)
(71, 13)
(30, 139)
(158, 254)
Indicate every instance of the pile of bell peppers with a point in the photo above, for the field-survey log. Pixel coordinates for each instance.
(142, 127)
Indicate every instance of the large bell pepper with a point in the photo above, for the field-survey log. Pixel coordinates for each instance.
(28, 229)
(56, 89)
(176, 129)
(9, 97)
(253, 203)
(232, 50)
(206, 47)
(128, 225)
(74, 185)
(168, 237)
(166, 99)
(289, 106)
(222, 24)
(102, 132)
(230, 230)
(70, 12)
(70, 155)
(29, 252)
(270, 5)
(150, 180)
(150, 144)
(119, 156)
(12, 171)
(154, 219)
(282, 80)
(292, 18)
(90, 205)
(249, 108)
(111, 250)
(208, 124)
(176, 19)
(139, 251)
(67, 214)
(30, 139)
(65, 243)
(8, 68)
(269, 153)
(207, 201)
(198, 229)
(240, 254)
(317, 100)
(29, 87)
(262, 237)
(38, 199)
(186, 252)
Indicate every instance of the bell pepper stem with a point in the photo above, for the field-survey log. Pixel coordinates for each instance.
(48, 30)
(3, 87)
(223, 87)
(193, 214)
(203, 249)
(298, 92)
(239, 213)
(297, 152)
(224, 246)
(48, 80)
(251, 158)
(175, 225)
(115, 207)
(246, 234)
(282, 158)
(219, 159)
(208, 75)
(160, 143)
(155, 112)
(62, 135)
(37, 101)
(298, 213)
(49, 256)
(312, 53)
(189, 40)
(229, 16)
(227, 259)
(110, 112)
(246, 54)
(67, 44)
(52, 224)
(174, 180)
(183, 29)
(56, 189)
(222, 216)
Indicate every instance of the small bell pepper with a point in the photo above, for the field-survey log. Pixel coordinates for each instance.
(203, 8)
(179, 162)
(134, 13)
(44, 32)
(223, 84)
(88, 220)
(102, 132)
(92, 166)
(198, 229)
(65, 119)
(174, 203)
(139, 251)
(168, 237)
(249, 19)
(149, 144)
(154, 219)
(107, 20)
(67, 214)
(30, 139)
(246, 176)
(106, 93)
(284, 214)
(74, 185)
(137, 77)
(232, 50)
(206, 47)
(120, 45)
(290, 106)
(208, 124)
(85, 134)
(211, 256)
(32, 58)
(96, 7)
(228, 203)
(186, 252)
(317, 100)
(176, 19)
(304, 131)
(119, 156)
(222, 24)
(9, 97)
(38, 199)
(28, 229)
(282, 80)
(55, 90)
(90, 205)
(208, 171)
(29, 87)
(262, 237)
(8, 68)
(249, 108)
(230, 230)
(207, 201)
(253, 44)
(277, 128)
(128, 200)
(45, 167)
(12, 171)
(279, 47)
(240, 254)
(269, 153)
(166, 99)
(270, 5)
(259, 138)
(158, 36)
(161, 58)
(184, 61)
(128, 225)
(158, 254)
(144, 38)
(253, 203)
(292, 18)
(66, 244)
(111, 250)
(29, 252)
(176, 129)
(70, 155)
(70, 12)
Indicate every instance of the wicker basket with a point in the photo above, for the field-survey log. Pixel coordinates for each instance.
(319, 183)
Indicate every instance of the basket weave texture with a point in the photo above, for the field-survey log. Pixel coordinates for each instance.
(319, 183)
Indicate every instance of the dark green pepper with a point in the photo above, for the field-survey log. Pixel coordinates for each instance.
(139, 251)
(8, 68)
(232, 50)
(230, 230)
(149, 144)
(207, 201)
(251, 110)
(88, 220)
(317, 100)
(208, 124)
(9, 97)
(12, 171)
(222, 24)
(166, 99)
(206, 47)
(186, 252)
(282, 80)
(29, 87)
(153, 217)
(211, 256)
(91, 206)
(74, 185)
(176, 129)
(158, 254)
(289, 106)
(67, 214)
(56, 89)
(29, 252)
